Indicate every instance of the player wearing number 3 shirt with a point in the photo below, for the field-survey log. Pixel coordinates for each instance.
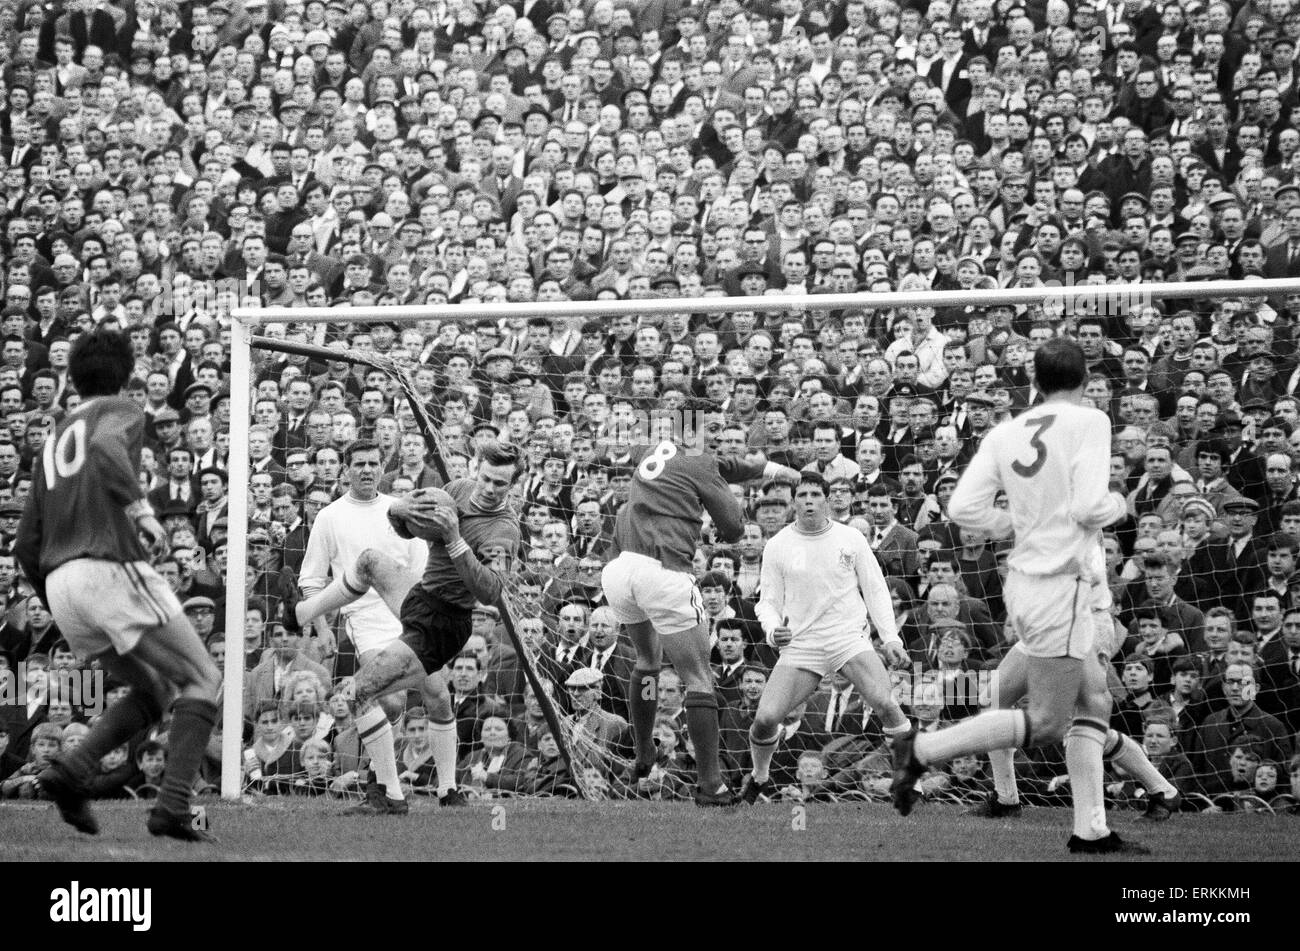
(651, 589)
(79, 543)
(1053, 463)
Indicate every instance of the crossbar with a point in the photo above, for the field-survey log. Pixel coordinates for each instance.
(1122, 294)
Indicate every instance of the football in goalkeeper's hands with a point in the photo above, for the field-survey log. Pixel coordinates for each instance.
(422, 504)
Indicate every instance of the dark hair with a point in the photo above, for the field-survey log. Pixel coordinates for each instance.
(360, 445)
(1141, 659)
(1214, 447)
(148, 748)
(1280, 541)
(815, 479)
(1059, 365)
(730, 624)
(468, 655)
(498, 453)
(715, 579)
(101, 363)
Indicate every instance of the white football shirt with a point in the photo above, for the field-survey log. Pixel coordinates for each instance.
(1053, 461)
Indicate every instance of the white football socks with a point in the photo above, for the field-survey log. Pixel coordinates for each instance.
(1002, 764)
(1084, 742)
(377, 736)
(338, 593)
(1131, 758)
(993, 730)
(443, 738)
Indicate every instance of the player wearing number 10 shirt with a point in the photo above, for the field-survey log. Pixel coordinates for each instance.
(79, 543)
(651, 589)
(1053, 463)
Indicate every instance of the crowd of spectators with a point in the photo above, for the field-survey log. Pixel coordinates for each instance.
(162, 161)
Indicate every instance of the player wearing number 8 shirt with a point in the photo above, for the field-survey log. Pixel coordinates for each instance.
(79, 543)
(651, 589)
(1053, 463)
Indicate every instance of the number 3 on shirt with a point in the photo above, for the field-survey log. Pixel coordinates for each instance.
(65, 459)
(1040, 425)
(653, 464)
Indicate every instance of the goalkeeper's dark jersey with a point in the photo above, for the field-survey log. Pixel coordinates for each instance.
(82, 483)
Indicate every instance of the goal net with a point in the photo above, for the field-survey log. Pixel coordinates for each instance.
(1205, 659)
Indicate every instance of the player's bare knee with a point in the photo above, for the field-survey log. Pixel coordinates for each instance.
(766, 723)
(1095, 703)
(1048, 725)
(369, 685)
(695, 682)
(368, 565)
(393, 705)
(438, 707)
(437, 698)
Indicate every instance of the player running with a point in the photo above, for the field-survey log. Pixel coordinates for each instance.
(435, 613)
(80, 544)
(350, 535)
(1052, 461)
(651, 589)
(1163, 798)
(807, 612)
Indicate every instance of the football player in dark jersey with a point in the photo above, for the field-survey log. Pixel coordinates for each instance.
(82, 542)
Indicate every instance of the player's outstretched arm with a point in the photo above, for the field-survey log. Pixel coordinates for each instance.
(743, 470)
(971, 505)
(721, 505)
(1092, 504)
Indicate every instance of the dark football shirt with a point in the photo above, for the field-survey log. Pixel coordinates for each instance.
(670, 490)
(81, 485)
(478, 526)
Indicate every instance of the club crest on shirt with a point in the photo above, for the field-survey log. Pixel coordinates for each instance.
(846, 559)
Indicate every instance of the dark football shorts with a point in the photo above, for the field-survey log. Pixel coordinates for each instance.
(436, 630)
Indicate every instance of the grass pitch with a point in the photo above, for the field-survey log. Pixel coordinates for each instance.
(274, 830)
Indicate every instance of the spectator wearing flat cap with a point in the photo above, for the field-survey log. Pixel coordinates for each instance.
(605, 732)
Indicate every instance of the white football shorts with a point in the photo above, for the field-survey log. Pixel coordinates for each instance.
(1052, 615)
(104, 605)
(824, 654)
(639, 588)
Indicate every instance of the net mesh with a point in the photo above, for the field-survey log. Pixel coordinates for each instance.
(1215, 760)
(587, 766)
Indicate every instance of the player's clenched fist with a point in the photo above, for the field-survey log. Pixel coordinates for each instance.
(448, 522)
(782, 636)
(895, 654)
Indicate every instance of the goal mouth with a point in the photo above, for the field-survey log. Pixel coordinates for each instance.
(591, 763)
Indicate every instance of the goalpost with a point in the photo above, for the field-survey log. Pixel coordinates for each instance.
(1105, 299)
